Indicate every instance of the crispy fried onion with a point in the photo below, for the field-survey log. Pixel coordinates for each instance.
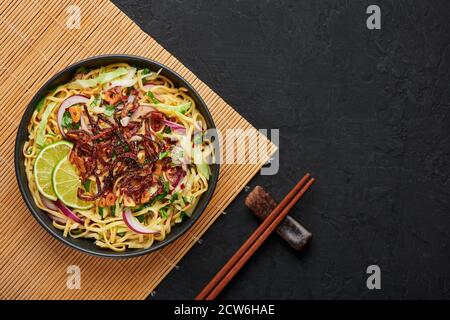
(110, 153)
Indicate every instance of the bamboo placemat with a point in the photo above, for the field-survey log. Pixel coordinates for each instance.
(35, 44)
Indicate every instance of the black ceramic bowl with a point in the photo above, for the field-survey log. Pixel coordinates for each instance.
(64, 76)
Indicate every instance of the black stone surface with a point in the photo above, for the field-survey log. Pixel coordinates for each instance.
(365, 111)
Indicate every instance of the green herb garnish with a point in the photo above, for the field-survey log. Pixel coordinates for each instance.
(159, 197)
(163, 212)
(109, 110)
(152, 97)
(87, 185)
(94, 102)
(141, 218)
(120, 234)
(113, 211)
(100, 212)
(138, 208)
(68, 123)
(168, 130)
(174, 197)
(164, 154)
(166, 186)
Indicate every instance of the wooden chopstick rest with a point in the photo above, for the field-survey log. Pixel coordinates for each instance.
(261, 203)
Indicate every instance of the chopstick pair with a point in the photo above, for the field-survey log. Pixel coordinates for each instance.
(245, 252)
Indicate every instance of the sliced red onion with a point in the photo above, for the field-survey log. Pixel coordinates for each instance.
(57, 219)
(131, 98)
(48, 203)
(124, 121)
(68, 213)
(76, 99)
(135, 225)
(141, 111)
(175, 126)
(148, 86)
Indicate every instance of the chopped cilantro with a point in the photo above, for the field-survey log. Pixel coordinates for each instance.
(109, 110)
(159, 197)
(68, 123)
(100, 212)
(164, 154)
(113, 211)
(94, 102)
(141, 218)
(166, 186)
(87, 185)
(138, 208)
(174, 197)
(167, 130)
(152, 97)
(163, 212)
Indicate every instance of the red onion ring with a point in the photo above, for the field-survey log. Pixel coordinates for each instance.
(175, 126)
(58, 219)
(76, 99)
(134, 223)
(48, 203)
(131, 98)
(58, 206)
(148, 86)
(68, 213)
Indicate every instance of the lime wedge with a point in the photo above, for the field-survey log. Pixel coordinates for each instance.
(66, 183)
(44, 164)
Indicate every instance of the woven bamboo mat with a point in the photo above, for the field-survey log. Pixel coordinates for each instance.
(35, 44)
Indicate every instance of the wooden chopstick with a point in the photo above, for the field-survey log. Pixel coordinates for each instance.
(237, 261)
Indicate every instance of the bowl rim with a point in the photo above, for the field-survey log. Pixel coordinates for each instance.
(23, 182)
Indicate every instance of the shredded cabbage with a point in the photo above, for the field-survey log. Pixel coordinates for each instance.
(181, 108)
(127, 80)
(101, 79)
(40, 137)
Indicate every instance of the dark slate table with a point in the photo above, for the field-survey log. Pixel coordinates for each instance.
(365, 111)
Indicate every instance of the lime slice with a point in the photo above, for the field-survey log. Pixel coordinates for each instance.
(66, 183)
(44, 164)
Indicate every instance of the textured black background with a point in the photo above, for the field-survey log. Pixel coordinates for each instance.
(367, 112)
